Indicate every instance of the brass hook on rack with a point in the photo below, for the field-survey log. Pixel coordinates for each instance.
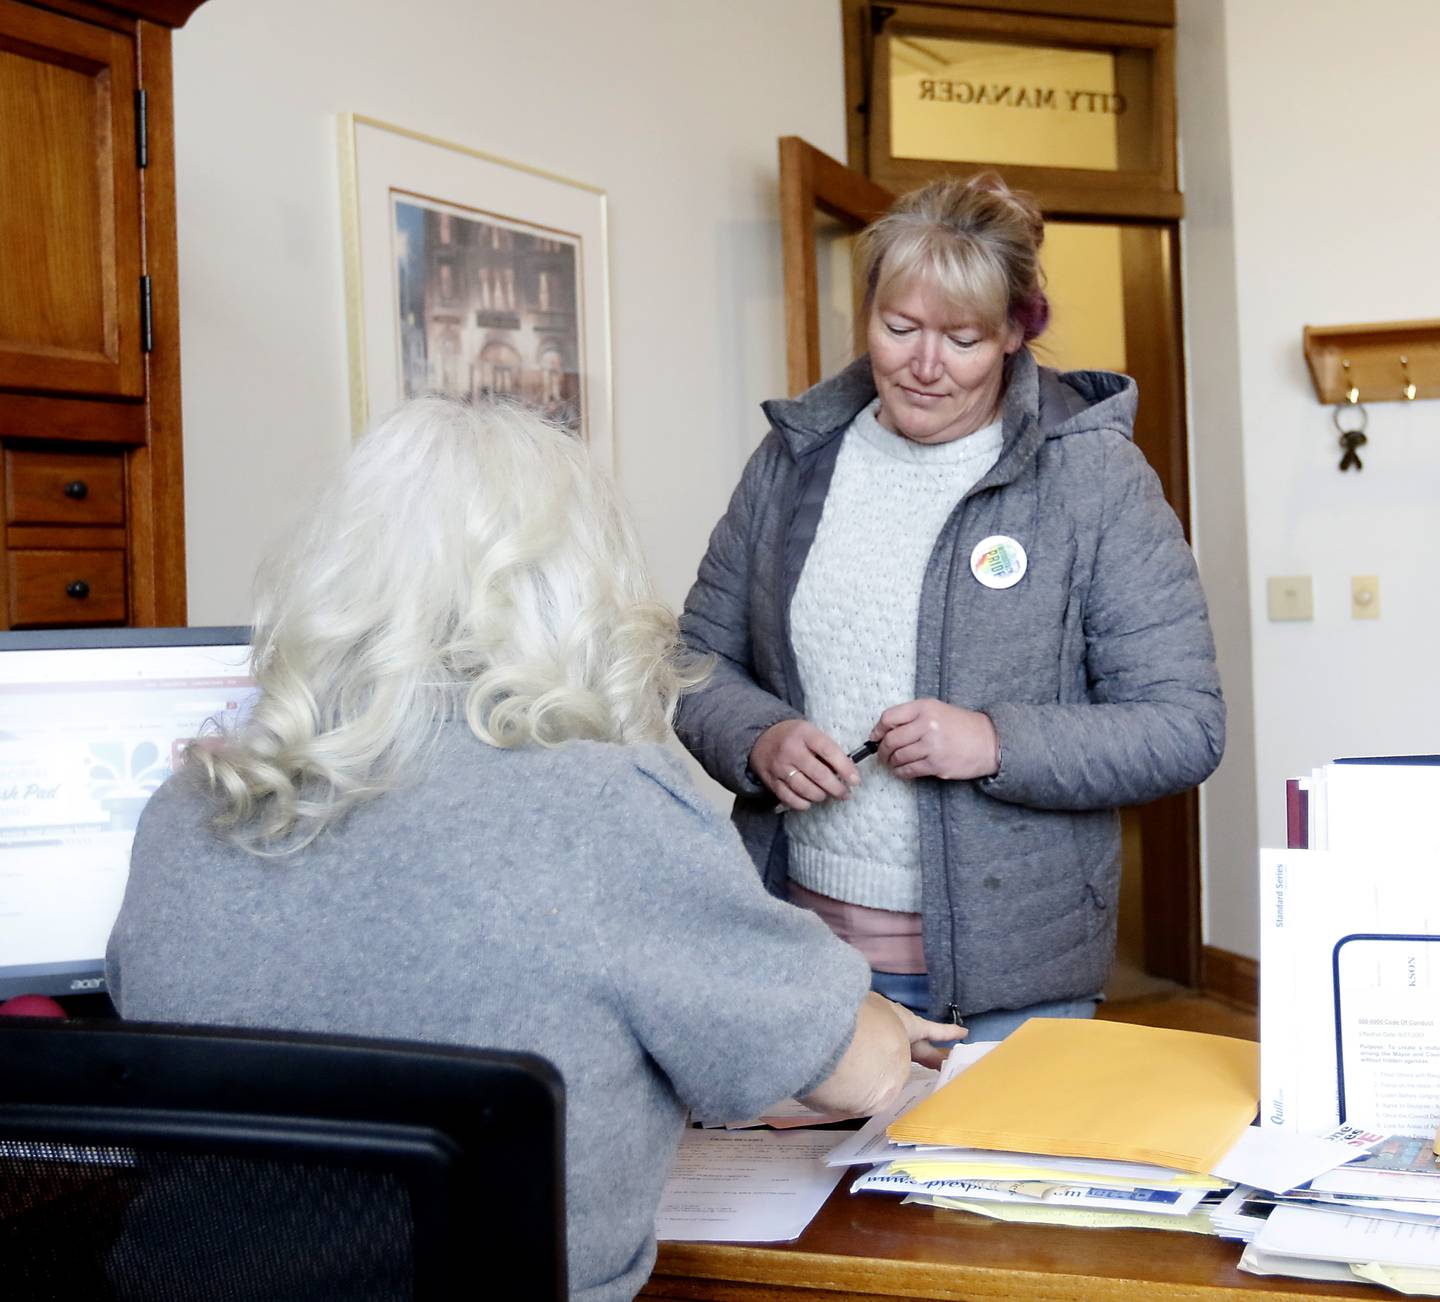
(1407, 385)
(1352, 437)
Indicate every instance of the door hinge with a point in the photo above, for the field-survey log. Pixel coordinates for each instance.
(142, 129)
(147, 338)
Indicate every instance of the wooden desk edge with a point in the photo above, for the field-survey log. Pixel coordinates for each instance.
(710, 1272)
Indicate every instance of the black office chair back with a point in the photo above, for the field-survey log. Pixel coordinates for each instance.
(178, 1164)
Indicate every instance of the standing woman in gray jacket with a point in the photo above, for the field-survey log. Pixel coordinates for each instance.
(959, 556)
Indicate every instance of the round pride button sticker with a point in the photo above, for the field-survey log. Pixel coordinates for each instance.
(998, 561)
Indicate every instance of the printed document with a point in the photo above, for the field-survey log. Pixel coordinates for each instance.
(1340, 1236)
(746, 1186)
(1350, 991)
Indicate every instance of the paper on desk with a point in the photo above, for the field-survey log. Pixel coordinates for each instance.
(747, 1186)
(1080, 1217)
(1166, 1202)
(1417, 1213)
(981, 1164)
(1403, 1279)
(1076, 1087)
(1277, 1160)
(1344, 1236)
(962, 1056)
(1264, 1263)
(1379, 1184)
(869, 1145)
(1396, 1166)
(1237, 1216)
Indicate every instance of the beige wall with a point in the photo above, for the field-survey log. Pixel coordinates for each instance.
(1312, 199)
(672, 106)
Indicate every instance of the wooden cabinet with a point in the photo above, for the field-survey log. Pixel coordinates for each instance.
(91, 471)
(65, 537)
(71, 220)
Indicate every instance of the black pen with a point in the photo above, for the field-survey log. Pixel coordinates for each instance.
(862, 752)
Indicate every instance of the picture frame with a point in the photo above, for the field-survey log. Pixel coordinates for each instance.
(470, 274)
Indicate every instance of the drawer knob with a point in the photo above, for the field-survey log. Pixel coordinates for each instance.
(79, 589)
(77, 490)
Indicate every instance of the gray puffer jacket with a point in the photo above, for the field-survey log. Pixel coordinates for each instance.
(1097, 668)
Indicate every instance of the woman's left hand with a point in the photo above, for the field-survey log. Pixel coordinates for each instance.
(929, 739)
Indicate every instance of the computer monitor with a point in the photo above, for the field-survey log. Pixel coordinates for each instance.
(92, 721)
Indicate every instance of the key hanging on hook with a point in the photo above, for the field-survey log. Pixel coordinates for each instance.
(1352, 437)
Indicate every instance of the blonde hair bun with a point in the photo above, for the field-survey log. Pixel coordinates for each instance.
(975, 239)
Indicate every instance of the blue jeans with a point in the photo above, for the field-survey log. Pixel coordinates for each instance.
(913, 990)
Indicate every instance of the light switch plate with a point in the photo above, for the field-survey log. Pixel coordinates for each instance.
(1364, 596)
(1290, 597)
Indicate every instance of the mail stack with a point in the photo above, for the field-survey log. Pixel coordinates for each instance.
(1350, 1022)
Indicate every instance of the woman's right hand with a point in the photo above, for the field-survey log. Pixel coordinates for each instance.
(802, 765)
(873, 1070)
(929, 1041)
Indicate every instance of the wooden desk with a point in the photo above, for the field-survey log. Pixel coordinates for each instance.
(870, 1248)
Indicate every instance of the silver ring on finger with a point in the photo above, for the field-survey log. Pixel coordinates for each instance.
(789, 775)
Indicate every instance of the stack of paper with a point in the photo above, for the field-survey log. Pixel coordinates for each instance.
(1372, 1216)
(1064, 1123)
(1371, 805)
(1350, 1026)
(1083, 1088)
(1254, 1191)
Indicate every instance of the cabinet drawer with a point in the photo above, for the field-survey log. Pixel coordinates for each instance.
(64, 488)
(66, 587)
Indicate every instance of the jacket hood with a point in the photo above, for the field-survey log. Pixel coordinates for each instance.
(1039, 403)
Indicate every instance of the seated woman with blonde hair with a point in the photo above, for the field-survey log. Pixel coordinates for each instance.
(448, 818)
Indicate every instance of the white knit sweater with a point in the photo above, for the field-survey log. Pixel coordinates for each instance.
(853, 619)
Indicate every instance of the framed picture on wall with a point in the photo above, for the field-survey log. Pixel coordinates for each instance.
(466, 274)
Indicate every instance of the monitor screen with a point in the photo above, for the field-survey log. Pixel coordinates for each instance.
(92, 721)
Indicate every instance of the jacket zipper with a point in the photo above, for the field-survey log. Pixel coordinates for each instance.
(943, 685)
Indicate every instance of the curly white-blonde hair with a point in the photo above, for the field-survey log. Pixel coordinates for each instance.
(470, 561)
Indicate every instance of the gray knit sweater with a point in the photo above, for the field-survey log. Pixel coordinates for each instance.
(853, 620)
(563, 901)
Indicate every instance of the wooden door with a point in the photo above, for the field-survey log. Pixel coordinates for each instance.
(70, 241)
(1115, 307)
(1143, 341)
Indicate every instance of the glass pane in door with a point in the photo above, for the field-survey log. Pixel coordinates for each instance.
(835, 291)
(1085, 280)
(985, 101)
